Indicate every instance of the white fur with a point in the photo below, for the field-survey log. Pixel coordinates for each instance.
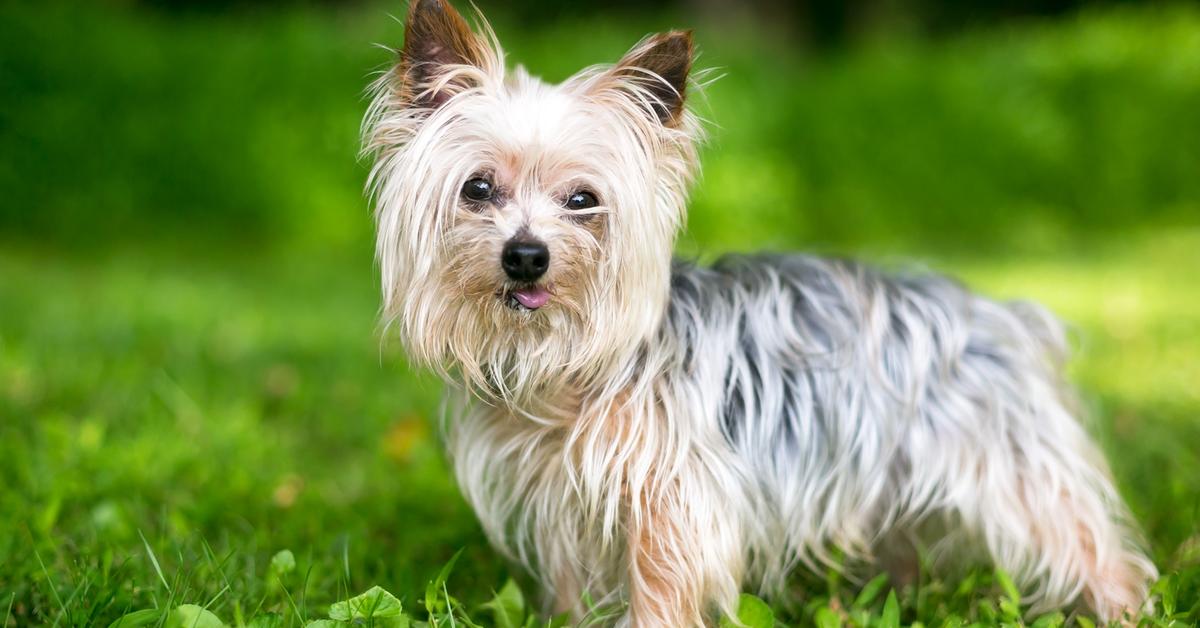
(668, 436)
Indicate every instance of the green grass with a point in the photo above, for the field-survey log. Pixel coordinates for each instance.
(197, 418)
(196, 407)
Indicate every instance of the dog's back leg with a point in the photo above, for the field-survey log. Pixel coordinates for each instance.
(1034, 490)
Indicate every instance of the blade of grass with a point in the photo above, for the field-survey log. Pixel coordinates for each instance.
(449, 603)
(304, 585)
(216, 597)
(79, 591)
(53, 589)
(154, 561)
(219, 566)
(295, 609)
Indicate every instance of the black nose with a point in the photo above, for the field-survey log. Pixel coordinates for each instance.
(525, 260)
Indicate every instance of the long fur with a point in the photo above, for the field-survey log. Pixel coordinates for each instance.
(666, 435)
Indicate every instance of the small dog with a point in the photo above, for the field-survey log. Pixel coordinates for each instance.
(662, 435)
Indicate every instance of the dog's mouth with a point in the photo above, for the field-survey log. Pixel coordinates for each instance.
(526, 298)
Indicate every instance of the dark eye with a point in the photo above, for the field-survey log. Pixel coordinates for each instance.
(582, 199)
(478, 189)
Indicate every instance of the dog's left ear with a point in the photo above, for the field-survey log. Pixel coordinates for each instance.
(438, 46)
(657, 72)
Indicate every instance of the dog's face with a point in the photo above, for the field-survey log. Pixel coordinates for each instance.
(525, 230)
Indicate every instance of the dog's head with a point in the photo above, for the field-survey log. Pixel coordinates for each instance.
(524, 229)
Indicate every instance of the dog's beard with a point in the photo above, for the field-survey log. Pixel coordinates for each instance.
(505, 338)
(517, 340)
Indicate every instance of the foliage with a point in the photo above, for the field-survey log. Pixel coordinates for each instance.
(198, 130)
(199, 422)
(225, 410)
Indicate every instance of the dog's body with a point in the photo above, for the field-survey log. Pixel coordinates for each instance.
(789, 405)
(666, 435)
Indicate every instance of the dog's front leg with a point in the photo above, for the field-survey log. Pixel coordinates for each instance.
(685, 556)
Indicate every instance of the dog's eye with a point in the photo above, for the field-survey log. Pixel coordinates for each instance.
(582, 199)
(478, 189)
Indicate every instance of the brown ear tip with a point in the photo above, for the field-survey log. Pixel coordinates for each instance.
(678, 42)
(427, 7)
(677, 36)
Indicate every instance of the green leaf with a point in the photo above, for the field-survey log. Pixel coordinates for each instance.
(375, 604)
(1167, 589)
(283, 562)
(1049, 620)
(953, 621)
(507, 606)
(890, 617)
(752, 613)
(870, 591)
(826, 618)
(967, 585)
(267, 620)
(433, 602)
(987, 612)
(1084, 622)
(192, 616)
(1010, 611)
(136, 619)
(1010, 589)
(324, 623)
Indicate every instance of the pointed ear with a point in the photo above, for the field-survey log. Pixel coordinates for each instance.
(658, 66)
(436, 38)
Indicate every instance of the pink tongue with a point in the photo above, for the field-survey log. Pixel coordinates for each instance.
(532, 298)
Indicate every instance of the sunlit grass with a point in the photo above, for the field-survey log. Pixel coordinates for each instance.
(255, 409)
(192, 379)
(1135, 302)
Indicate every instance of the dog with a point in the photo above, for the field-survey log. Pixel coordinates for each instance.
(661, 435)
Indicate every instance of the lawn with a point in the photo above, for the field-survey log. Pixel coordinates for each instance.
(197, 406)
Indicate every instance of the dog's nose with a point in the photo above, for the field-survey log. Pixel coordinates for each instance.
(525, 260)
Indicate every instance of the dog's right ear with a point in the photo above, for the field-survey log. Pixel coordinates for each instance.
(441, 55)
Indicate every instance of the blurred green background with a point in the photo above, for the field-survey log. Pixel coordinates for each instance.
(191, 372)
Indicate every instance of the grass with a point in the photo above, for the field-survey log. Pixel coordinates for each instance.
(174, 425)
(198, 418)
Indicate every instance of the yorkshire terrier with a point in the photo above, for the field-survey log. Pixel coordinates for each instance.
(660, 434)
